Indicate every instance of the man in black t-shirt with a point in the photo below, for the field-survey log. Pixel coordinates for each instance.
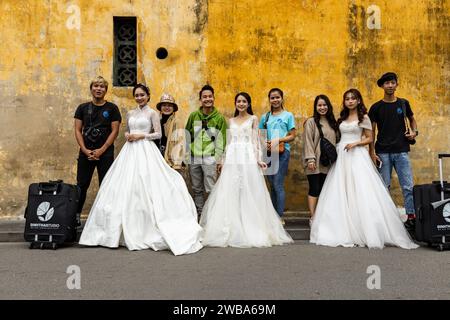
(96, 127)
(391, 116)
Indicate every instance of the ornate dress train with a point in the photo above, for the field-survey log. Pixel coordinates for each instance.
(239, 212)
(354, 207)
(142, 198)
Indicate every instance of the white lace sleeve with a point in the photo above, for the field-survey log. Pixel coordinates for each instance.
(156, 125)
(255, 140)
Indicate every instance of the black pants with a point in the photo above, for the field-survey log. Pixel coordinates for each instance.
(85, 170)
(316, 182)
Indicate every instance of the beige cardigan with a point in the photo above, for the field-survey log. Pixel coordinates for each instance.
(175, 149)
(311, 145)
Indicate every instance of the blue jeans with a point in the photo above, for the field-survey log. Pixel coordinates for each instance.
(400, 162)
(276, 181)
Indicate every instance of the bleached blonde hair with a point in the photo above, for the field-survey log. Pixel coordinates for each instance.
(99, 79)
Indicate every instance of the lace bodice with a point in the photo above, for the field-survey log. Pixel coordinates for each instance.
(351, 131)
(241, 133)
(143, 121)
(245, 135)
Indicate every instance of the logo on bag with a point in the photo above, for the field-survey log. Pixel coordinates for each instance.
(44, 212)
(446, 212)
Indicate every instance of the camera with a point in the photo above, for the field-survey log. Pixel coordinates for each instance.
(93, 134)
(162, 149)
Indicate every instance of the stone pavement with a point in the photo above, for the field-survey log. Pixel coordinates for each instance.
(297, 271)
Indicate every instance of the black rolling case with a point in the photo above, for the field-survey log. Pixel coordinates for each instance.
(432, 205)
(51, 214)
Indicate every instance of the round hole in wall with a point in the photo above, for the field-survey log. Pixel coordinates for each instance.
(161, 53)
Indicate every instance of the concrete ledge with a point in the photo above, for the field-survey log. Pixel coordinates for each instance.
(17, 236)
(11, 236)
(12, 230)
(299, 233)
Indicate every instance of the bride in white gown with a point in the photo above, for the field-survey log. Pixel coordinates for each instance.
(141, 197)
(239, 212)
(354, 207)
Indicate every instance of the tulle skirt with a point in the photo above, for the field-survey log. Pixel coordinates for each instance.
(355, 208)
(145, 201)
(239, 211)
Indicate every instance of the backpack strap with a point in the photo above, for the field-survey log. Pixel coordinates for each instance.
(265, 121)
(207, 131)
(402, 103)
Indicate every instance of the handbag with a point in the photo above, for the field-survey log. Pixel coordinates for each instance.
(408, 129)
(328, 153)
(278, 148)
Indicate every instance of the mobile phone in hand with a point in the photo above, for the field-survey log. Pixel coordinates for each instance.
(379, 163)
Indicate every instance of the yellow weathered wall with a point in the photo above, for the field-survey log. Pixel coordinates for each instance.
(305, 47)
(45, 69)
(312, 47)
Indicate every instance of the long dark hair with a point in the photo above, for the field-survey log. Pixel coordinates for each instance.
(249, 100)
(281, 94)
(329, 115)
(143, 87)
(361, 108)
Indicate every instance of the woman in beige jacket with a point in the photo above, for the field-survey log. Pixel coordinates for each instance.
(315, 171)
(172, 144)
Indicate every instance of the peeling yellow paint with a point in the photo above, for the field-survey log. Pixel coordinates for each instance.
(305, 47)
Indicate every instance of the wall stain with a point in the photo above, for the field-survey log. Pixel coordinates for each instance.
(305, 47)
(201, 14)
(364, 53)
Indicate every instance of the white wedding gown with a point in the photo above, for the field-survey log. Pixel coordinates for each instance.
(239, 212)
(142, 198)
(354, 207)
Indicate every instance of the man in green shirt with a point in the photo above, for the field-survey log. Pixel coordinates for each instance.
(207, 129)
